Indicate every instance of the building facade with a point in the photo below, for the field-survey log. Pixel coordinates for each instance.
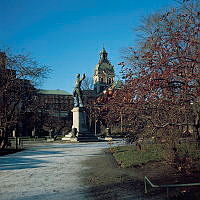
(54, 112)
(104, 74)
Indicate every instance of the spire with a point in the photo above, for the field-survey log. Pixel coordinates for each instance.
(103, 56)
(103, 50)
(104, 73)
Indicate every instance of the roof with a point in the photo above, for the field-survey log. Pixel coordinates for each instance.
(103, 50)
(54, 92)
(104, 64)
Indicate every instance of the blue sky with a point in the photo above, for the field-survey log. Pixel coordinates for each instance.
(69, 34)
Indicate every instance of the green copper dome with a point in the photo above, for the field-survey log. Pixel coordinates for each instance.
(104, 64)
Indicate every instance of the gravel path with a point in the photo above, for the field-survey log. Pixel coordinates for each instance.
(50, 171)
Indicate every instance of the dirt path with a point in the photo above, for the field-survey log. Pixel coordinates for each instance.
(47, 172)
(81, 171)
(107, 181)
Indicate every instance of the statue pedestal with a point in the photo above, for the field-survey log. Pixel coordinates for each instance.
(80, 131)
(79, 119)
(70, 138)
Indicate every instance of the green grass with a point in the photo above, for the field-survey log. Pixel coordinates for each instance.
(128, 156)
(189, 149)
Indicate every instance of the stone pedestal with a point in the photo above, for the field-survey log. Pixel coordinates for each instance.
(80, 131)
(70, 138)
(14, 133)
(79, 120)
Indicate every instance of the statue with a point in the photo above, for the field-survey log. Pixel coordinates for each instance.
(77, 93)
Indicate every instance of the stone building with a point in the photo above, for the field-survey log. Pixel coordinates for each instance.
(104, 74)
(103, 79)
(54, 113)
(59, 101)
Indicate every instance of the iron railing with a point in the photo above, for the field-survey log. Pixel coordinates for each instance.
(167, 186)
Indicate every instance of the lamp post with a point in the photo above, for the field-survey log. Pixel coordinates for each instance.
(121, 119)
(95, 127)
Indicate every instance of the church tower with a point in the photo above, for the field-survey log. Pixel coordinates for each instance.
(104, 73)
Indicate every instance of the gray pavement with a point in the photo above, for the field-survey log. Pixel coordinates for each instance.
(50, 171)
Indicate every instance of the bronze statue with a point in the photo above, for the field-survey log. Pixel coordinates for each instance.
(77, 93)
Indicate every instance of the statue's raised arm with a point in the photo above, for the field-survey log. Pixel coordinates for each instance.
(83, 77)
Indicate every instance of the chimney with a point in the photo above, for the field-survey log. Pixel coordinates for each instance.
(3, 60)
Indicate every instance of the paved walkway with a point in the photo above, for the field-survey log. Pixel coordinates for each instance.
(47, 172)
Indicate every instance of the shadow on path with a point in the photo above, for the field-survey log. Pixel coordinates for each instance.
(31, 158)
(37, 156)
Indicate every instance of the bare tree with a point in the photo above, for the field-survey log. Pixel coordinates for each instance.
(87, 84)
(18, 75)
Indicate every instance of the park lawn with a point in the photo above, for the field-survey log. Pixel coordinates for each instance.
(130, 156)
(190, 149)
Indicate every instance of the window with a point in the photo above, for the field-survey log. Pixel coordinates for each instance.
(109, 80)
(101, 79)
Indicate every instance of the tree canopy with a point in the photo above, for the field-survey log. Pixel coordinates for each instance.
(19, 74)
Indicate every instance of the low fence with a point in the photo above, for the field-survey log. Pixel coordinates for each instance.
(21, 142)
(167, 186)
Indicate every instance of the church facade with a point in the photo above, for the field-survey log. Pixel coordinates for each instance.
(103, 78)
(104, 74)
